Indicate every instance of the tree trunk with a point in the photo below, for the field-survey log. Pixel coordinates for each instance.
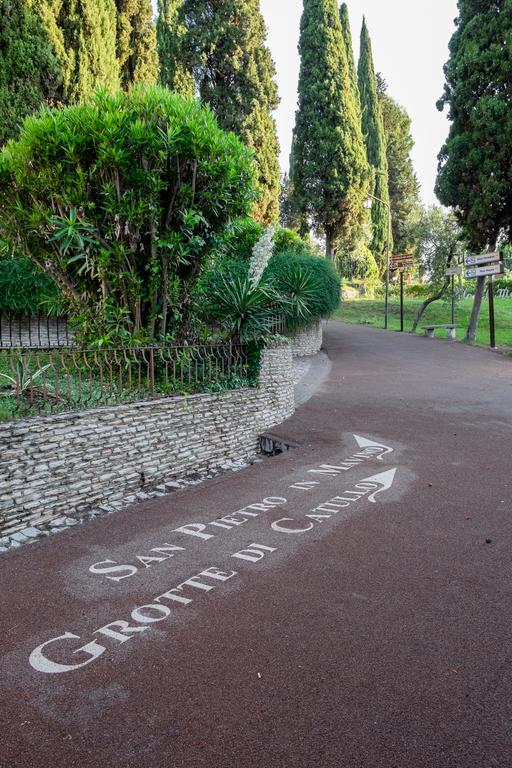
(329, 244)
(475, 312)
(438, 295)
(427, 302)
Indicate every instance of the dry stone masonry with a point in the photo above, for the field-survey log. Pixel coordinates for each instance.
(53, 467)
(307, 341)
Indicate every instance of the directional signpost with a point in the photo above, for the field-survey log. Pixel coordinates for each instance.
(404, 261)
(453, 272)
(486, 265)
(489, 270)
(485, 258)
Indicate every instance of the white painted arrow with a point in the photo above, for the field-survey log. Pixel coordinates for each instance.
(384, 479)
(363, 442)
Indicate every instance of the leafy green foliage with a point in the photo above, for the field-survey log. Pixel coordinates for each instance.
(475, 163)
(136, 42)
(242, 235)
(503, 283)
(296, 285)
(373, 130)
(240, 239)
(170, 32)
(359, 264)
(243, 310)
(307, 284)
(403, 183)
(288, 240)
(224, 47)
(29, 73)
(329, 171)
(122, 200)
(439, 244)
(24, 379)
(25, 289)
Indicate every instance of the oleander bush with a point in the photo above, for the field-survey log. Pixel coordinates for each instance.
(122, 201)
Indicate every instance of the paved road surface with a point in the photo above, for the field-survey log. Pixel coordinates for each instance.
(369, 628)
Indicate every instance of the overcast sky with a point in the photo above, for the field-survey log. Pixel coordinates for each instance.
(410, 46)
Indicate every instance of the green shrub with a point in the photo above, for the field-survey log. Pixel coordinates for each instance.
(26, 289)
(243, 234)
(358, 264)
(240, 238)
(288, 240)
(122, 200)
(503, 283)
(418, 290)
(321, 285)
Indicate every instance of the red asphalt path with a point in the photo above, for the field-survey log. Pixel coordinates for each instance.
(378, 637)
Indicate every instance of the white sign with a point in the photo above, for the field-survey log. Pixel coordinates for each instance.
(453, 271)
(485, 258)
(492, 269)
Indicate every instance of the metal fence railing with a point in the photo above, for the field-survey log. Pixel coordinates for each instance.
(278, 324)
(37, 331)
(36, 381)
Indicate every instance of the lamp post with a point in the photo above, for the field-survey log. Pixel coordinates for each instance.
(368, 205)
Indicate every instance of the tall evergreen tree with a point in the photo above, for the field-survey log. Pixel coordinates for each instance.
(475, 164)
(233, 70)
(403, 183)
(82, 34)
(347, 37)
(136, 42)
(170, 32)
(373, 130)
(29, 73)
(329, 171)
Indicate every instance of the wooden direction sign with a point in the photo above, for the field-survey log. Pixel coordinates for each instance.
(484, 258)
(403, 261)
(453, 271)
(489, 270)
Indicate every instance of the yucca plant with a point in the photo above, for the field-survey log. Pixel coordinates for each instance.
(23, 381)
(245, 311)
(301, 288)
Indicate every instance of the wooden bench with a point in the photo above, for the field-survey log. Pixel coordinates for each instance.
(429, 330)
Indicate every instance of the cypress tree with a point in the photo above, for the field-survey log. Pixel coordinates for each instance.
(82, 35)
(373, 130)
(29, 73)
(136, 42)
(234, 73)
(347, 38)
(329, 171)
(475, 163)
(170, 32)
(403, 182)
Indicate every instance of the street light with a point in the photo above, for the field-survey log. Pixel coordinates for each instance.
(368, 205)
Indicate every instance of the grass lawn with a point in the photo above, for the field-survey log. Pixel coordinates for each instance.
(371, 312)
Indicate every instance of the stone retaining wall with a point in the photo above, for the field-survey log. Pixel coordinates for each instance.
(69, 462)
(307, 341)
